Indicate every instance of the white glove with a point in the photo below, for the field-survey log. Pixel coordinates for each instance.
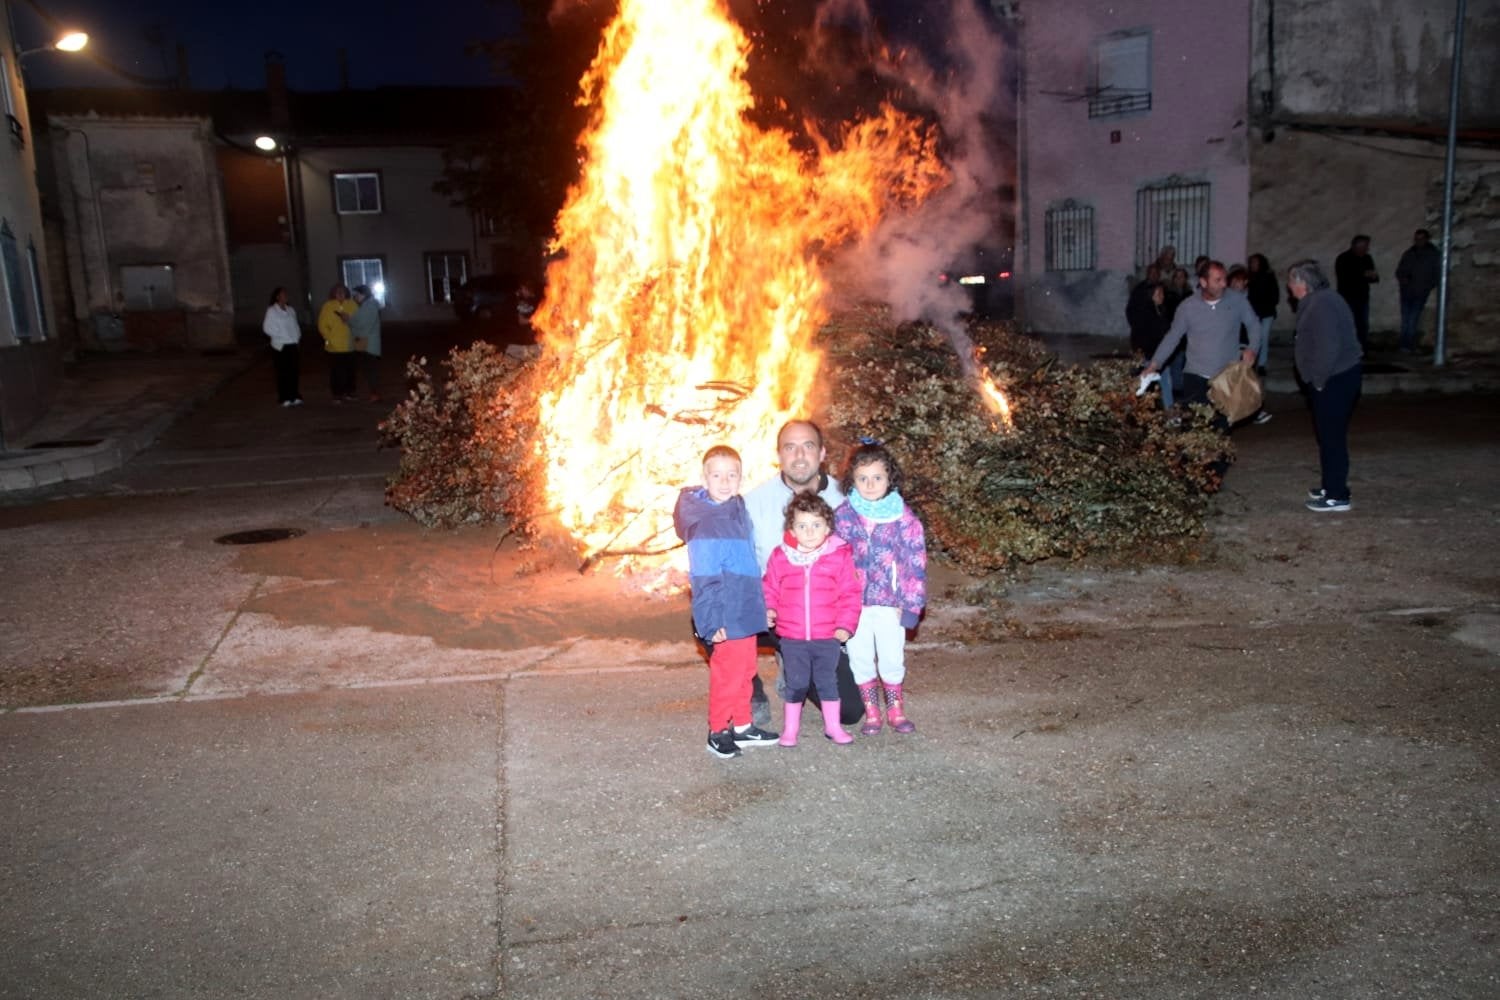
(1146, 381)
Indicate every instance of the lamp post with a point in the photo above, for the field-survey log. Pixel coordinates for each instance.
(70, 41)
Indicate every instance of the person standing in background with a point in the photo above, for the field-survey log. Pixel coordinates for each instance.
(364, 326)
(281, 326)
(1354, 272)
(1417, 274)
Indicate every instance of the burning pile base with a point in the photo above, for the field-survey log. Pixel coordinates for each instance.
(1081, 468)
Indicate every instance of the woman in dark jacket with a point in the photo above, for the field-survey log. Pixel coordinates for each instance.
(1329, 364)
(1149, 321)
(1265, 295)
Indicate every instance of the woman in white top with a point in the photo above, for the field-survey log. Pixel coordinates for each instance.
(281, 326)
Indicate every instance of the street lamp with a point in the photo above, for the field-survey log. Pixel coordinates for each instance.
(266, 144)
(71, 41)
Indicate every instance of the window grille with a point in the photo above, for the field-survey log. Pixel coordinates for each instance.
(1174, 212)
(1070, 237)
(365, 271)
(1122, 75)
(445, 272)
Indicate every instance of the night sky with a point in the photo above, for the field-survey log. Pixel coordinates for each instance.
(387, 42)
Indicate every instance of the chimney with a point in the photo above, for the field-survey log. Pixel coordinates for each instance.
(281, 115)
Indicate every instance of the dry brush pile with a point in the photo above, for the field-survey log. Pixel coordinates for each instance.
(1086, 470)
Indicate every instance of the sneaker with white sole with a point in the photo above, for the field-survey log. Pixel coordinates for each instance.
(721, 744)
(1316, 493)
(1262, 417)
(754, 736)
(1327, 503)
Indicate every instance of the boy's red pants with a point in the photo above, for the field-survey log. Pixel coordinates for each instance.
(731, 669)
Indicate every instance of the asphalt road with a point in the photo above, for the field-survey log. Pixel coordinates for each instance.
(1273, 773)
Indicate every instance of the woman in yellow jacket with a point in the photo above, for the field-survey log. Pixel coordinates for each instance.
(333, 324)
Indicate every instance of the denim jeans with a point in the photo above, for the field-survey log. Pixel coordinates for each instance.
(1171, 378)
(1265, 340)
(1332, 406)
(1412, 304)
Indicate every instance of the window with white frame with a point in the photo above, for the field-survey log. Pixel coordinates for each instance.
(15, 290)
(369, 271)
(357, 193)
(1070, 237)
(445, 272)
(1122, 75)
(36, 290)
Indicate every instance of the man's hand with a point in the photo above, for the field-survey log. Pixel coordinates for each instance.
(719, 636)
(770, 618)
(842, 634)
(1247, 356)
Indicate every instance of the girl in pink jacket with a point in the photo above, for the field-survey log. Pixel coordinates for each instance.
(812, 601)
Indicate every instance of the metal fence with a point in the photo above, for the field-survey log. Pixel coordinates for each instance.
(1070, 237)
(1173, 213)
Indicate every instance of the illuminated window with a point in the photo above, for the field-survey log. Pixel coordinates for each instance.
(370, 271)
(357, 193)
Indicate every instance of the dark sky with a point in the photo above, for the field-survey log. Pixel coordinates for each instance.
(387, 41)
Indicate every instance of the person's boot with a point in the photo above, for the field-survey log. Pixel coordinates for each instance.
(895, 710)
(791, 721)
(831, 727)
(870, 695)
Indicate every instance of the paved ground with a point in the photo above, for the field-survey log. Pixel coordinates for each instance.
(377, 762)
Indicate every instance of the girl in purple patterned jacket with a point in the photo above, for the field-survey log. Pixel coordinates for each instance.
(890, 553)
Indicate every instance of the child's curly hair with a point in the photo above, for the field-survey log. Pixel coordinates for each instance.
(868, 454)
(808, 503)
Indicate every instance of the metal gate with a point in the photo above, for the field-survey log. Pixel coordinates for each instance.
(1173, 213)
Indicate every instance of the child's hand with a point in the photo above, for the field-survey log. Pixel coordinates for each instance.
(719, 636)
(770, 618)
(842, 634)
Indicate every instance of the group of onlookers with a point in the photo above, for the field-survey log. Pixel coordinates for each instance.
(349, 323)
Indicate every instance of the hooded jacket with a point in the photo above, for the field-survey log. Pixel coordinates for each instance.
(721, 564)
(814, 593)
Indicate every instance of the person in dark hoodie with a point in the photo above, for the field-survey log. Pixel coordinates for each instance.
(1329, 362)
(729, 609)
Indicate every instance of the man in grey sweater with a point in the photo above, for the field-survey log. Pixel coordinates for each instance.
(1211, 322)
(1329, 364)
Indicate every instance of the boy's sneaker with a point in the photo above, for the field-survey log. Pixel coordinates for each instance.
(721, 744)
(1262, 417)
(1316, 493)
(1327, 503)
(754, 736)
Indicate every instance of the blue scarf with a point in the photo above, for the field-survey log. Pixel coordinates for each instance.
(887, 508)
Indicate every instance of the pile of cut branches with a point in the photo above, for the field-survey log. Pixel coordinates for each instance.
(1086, 469)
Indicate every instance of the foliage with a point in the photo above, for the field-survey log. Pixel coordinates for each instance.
(467, 442)
(1087, 470)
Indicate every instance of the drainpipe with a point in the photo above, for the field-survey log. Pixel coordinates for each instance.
(1440, 339)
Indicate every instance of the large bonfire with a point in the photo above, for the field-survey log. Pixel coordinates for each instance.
(682, 310)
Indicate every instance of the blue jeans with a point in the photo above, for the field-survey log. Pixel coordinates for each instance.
(1265, 340)
(1171, 378)
(1412, 304)
(1332, 406)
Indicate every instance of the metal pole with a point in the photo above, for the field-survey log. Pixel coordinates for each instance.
(1439, 343)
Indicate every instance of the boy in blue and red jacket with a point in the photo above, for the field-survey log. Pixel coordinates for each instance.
(729, 610)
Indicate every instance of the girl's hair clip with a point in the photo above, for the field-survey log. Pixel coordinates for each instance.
(869, 440)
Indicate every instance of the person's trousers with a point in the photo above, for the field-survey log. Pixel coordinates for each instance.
(851, 709)
(810, 663)
(1332, 406)
(288, 364)
(878, 647)
(731, 664)
(1265, 341)
(369, 365)
(1171, 379)
(1412, 304)
(341, 373)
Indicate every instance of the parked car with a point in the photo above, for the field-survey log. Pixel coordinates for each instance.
(503, 302)
(985, 274)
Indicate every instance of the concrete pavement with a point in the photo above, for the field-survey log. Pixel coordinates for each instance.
(1275, 773)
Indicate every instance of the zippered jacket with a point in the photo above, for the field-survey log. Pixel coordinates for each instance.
(814, 594)
(891, 557)
(721, 564)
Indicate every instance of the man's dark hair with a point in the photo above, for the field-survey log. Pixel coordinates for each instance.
(1423, 233)
(808, 503)
(1360, 238)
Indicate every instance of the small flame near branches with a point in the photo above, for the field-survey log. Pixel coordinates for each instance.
(994, 398)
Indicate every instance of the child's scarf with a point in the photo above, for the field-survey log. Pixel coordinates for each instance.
(887, 508)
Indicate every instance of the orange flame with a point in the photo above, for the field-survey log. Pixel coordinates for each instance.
(682, 313)
(995, 399)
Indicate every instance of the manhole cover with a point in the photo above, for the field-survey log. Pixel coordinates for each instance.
(259, 536)
(77, 443)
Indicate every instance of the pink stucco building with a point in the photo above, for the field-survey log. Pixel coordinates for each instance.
(1133, 134)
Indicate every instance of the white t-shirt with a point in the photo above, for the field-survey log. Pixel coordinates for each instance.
(767, 506)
